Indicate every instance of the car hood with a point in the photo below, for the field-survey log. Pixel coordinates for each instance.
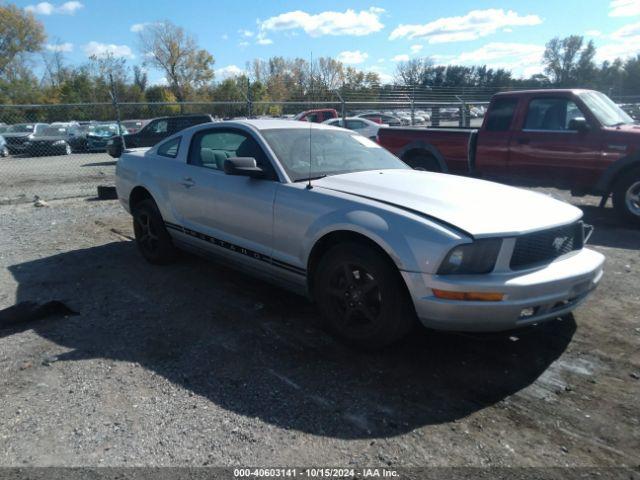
(478, 207)
(47, 139)
(16, 134)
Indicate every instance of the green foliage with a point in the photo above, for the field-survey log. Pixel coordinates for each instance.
(20, 33)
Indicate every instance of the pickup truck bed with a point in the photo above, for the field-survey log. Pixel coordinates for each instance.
(448, 146)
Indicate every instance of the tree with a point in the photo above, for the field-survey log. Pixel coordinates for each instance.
(140, 78)
(174, 52)
(568, 63)
(20, 33)
(412, 72)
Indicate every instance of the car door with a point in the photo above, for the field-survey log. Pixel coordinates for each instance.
(546, 150)
(155, 131)
(234, 212)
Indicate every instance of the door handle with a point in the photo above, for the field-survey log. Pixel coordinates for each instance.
(187, 182)
(523, 141)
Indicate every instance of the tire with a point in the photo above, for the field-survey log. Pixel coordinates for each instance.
(67, 149)
(423, 161)
(152, 237)
(4, 152)
(626, 196)
(362, 297)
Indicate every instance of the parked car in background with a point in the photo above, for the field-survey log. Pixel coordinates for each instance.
(98, 135)
(382, 118)
(330, 214)
(16, 135)
(4, 151)
(3, 127)
(317, 115)
(156, 130)
(363, 126)
(573, 139)
(52, 140)
(133, 126)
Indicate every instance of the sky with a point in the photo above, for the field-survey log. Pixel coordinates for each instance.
(367, 34)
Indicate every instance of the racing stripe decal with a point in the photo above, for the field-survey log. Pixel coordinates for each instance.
(237, 249)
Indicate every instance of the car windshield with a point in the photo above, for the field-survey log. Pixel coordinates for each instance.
(21, 128)
(103, 130)
(608, 113)
(332, 152)
(52, 132)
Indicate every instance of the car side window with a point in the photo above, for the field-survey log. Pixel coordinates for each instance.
(157, 127)
(210, 149)
(355, 124)
(170, 148)
(501, 114)
(551, 114)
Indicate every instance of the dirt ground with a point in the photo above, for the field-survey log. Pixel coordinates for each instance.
(194, 364)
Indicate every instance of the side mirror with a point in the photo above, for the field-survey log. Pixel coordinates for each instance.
(243, 166)
(579, 125)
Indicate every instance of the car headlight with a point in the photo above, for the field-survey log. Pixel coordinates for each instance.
(471, 258)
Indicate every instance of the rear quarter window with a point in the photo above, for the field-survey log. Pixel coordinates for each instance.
(501, 114)
(169, 148)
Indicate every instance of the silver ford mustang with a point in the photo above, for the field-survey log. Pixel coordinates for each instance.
(332, 215)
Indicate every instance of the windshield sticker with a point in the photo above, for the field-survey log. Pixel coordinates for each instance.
(365, 141)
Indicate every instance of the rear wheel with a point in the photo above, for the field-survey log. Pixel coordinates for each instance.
(4, 152)
(423, 161)
(626, 196)
(152, 237)
(362, 296)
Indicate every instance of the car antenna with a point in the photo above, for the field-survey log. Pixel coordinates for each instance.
(309, 186)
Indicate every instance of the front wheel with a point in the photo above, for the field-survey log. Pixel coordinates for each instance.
(626, 196)
(362, 296)
(152, 237)
(67, 149)
(4, 152)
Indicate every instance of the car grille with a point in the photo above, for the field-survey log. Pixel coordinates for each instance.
(541, 247)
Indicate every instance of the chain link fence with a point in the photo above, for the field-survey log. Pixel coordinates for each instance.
(59, 151)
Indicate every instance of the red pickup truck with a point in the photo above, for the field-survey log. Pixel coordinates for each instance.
(574, 139)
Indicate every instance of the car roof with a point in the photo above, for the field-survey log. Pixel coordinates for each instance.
(262, 124)
(543, 91)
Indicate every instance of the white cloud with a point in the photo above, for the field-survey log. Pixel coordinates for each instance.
(523, 59)
(264, 41)
(626, 44)
(59, 47)
(103, 49)
(138, 27)
(46, 8)
(229, 71)
(593, 33)
(473, 25)
(401, 58)
(384, 76)
(348, 22)
(225, 36)
(246, 33)
(416, 48)
(352, 57)
(243, 44)
(628, 31)
(624, 8)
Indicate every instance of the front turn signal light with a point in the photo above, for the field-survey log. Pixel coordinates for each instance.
(469, 296)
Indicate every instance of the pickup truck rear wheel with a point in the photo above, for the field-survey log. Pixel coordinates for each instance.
(152, 237)
(626, 196)
(423, 161)
(362, 297)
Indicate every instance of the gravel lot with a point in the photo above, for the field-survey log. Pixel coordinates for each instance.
(60, 176)
(195, 364)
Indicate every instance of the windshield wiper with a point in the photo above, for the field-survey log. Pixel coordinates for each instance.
(306, 179)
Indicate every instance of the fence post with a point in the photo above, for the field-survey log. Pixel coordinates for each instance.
(462, 119)
(413, 105)
(343, 108)
(435, 116)
(116, 106)
(249, 102)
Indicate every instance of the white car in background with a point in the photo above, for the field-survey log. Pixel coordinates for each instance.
(363, 126)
